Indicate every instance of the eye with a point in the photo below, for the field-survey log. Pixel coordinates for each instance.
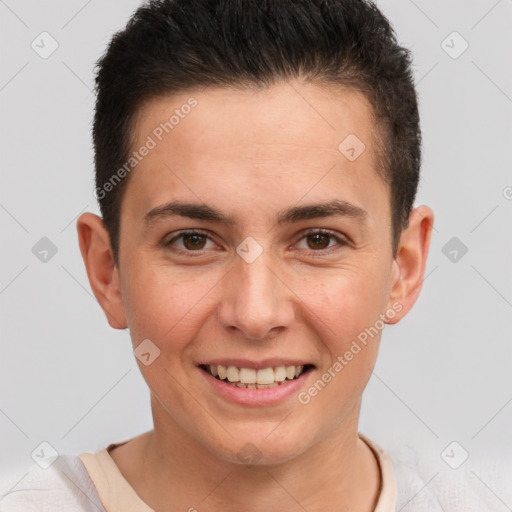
(190, 241)
(320, 240)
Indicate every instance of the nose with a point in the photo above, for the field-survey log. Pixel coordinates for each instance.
(256, 302)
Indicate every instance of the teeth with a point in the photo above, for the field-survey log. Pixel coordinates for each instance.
(255, 379)
(248, 376)
(265, 376)
(279, 374)
(255, 386)
(233, 374)
(221, 371)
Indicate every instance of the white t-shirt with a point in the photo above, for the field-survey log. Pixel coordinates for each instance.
(92, 482)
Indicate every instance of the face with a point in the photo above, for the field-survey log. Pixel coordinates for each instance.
(249, 239)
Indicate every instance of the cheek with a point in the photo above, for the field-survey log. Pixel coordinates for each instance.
(345, 300)
(166, 307)
(161, 303)
(345, 311)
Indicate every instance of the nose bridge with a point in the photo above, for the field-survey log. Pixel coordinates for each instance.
(257, 301)
(258, 280)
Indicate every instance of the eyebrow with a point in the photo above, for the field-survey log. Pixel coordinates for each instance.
(294, 214)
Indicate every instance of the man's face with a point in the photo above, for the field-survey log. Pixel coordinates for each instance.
(267, 289)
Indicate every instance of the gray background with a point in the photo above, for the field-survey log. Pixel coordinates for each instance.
(444, 372)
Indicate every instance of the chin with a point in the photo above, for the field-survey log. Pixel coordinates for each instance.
(260, 448)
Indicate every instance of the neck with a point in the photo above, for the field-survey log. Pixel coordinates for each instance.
(170, 470)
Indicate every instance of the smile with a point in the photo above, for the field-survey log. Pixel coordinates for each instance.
(251, 378)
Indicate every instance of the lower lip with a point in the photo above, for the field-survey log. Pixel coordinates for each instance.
(249, 396)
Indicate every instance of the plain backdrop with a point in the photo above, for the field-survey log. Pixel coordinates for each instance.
(443, 373)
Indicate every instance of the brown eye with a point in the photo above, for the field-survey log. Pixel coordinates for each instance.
(188, 242)
(194, 241)
(318, 240)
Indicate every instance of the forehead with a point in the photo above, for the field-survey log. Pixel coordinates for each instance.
(288, 112)
(297, 137)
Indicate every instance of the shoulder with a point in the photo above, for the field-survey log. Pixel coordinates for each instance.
(63, 487)
(430, 483)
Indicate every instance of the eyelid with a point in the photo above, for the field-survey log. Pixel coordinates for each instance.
(340, 239)
(167, 243)
(192, 231)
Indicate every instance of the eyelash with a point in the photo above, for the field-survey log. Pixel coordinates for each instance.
(341, 242)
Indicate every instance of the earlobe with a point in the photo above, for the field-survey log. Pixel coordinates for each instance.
(102, 272)
(410, 261)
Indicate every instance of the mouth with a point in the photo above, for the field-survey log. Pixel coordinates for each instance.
(251, 378)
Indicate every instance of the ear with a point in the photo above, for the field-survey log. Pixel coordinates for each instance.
(102, 272)
(409, 262)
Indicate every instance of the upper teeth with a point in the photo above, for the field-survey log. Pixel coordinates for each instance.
(252, 376)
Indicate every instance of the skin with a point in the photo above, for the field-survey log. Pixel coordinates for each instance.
(252, 155)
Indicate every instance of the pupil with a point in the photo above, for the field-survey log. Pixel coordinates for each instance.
(317, 241)
(195, 240)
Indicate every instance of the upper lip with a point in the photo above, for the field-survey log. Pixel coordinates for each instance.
(257, 365)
